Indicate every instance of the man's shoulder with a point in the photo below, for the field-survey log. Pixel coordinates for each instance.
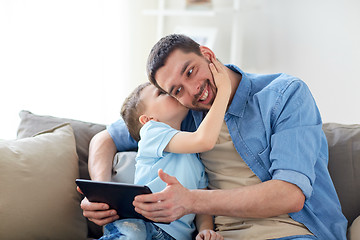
(278, 82)
(263, 81)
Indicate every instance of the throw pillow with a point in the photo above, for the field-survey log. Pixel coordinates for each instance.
(32, 124)
(354, 230)
(38, 191)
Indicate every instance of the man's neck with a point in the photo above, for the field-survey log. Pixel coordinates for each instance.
(235, 79)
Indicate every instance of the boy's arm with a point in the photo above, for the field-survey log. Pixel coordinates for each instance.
(205, 137)
(203, 222)
(205, 227)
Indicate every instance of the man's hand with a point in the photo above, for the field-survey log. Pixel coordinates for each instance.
(166, 206)
(209, 235)
(99, 213)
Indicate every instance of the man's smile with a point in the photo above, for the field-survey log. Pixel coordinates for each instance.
(204, 95)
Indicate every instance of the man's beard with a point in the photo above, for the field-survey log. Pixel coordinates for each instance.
(196, 105)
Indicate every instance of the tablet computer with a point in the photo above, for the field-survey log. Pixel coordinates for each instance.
(118, 196)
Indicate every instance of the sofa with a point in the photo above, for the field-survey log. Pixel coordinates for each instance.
(38, 171)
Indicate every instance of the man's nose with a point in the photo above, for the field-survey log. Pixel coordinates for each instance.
(192, 87)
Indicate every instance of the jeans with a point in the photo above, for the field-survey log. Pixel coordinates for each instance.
(134, 229)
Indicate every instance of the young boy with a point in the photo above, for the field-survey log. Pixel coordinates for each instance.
(154, 119)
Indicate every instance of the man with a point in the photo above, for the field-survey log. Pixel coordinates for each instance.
(268, 174)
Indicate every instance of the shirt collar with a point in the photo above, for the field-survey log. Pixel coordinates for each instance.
(238, 104)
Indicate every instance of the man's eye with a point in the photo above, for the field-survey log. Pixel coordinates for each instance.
(178, 91)
(189, 72)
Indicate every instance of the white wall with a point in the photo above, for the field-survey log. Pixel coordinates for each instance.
(318, 41)
(64, 58)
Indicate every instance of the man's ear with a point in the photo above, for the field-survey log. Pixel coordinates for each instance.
(207, 53)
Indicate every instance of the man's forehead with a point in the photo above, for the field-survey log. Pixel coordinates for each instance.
(168, 75)
(174, 67)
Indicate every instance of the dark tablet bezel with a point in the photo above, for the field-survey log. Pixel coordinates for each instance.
(118, 196)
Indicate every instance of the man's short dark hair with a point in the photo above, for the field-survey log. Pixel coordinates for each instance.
(163, 48)
(132, 109)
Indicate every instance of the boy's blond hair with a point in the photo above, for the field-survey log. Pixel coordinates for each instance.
(132, 109)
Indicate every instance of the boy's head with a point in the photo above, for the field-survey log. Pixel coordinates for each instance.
(131, 109)
(146, 103)
(180, 67)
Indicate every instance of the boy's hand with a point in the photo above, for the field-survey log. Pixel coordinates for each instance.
(208, 234)
(221, 77)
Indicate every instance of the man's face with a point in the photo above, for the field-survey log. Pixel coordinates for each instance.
(187, 77)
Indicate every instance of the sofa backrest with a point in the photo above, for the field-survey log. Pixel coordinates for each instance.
(344, 165)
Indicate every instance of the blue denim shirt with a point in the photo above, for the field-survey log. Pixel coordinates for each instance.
(276, 128)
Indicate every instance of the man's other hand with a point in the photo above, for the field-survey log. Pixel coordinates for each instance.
(99, 213)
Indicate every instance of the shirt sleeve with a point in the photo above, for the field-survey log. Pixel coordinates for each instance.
(297, 137)
(121, 136)
(154, 137)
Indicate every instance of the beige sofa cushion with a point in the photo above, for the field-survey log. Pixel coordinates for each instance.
(32, 124)
(354, 230)
(38, 191)
(344, 165)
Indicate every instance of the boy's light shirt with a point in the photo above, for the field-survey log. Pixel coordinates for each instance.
(187, 168)
(276, 128)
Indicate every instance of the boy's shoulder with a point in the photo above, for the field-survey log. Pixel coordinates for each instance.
(157, 133)
(154, 126)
